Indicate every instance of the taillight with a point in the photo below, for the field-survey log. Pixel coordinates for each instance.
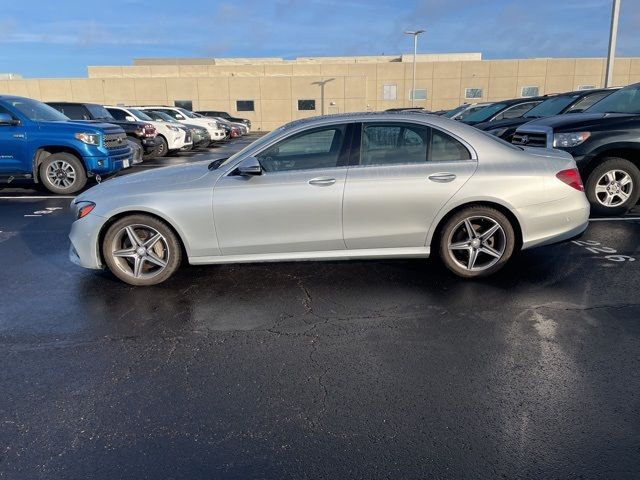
(85, 210)
(572, 178)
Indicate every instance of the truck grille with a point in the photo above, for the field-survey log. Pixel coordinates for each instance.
(530, 139)
(115, 140)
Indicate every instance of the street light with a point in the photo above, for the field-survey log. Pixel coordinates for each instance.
(613, 37)
(415, 34)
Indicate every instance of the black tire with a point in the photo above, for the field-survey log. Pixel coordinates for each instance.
(455, 233)
(167, 249)
(599, 188)
(162, 148)
(62, 183)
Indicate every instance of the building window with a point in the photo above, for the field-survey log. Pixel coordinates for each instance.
(390, 92)
(418, 94)
(530, 91)
(586, 87)
(244, 106)
(472, 93)
(186, 104)
(306, 104)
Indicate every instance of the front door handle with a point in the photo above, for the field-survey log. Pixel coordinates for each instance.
(442, 177)
(322, 182)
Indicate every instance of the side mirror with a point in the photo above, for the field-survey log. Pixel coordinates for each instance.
(6, 119)
(129, 118)
(250, 166)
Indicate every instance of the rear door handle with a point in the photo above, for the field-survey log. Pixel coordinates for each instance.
(322, 182)
(442, 177)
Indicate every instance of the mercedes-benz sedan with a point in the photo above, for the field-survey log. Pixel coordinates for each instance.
(353, 186)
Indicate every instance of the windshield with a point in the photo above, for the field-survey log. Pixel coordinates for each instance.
(625, 100)
(141, 115)
(453, 112)
(187, 113)
(38, 111)
(486, 113)
(551, 106)
(160, 116)
(98, 112)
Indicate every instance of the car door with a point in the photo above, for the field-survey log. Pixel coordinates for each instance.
(13, 147)
(295, 205)
(405, 174)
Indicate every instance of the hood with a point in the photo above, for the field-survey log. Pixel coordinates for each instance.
(578, 121)
(156, 180)
(507, 123)
(80, 126)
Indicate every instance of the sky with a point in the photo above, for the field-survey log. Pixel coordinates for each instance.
(60, 38)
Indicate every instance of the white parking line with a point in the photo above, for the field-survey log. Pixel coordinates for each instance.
(614, 219)
(37, 197)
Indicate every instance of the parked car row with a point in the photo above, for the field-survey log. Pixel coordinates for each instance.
(60, 145)
(599, 127)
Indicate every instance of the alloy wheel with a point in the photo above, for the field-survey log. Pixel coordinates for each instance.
(61, 174)
(477, 243)
(140, 251)
(614, 188)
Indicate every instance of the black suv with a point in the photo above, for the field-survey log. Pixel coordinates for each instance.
(503, 110)
(144, 134)
(225, 115)
(604, 141)
(572, 102)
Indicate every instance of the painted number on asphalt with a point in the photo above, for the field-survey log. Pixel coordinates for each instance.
(597, 248)
(40, 213)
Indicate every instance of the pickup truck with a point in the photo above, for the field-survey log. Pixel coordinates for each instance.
(605, 143)
(142, 133)
(40, 145)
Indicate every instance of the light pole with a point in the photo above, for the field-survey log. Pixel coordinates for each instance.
(415, 34)
(613, 37)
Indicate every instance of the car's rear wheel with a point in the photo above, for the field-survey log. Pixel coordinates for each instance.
(141, 250)
(477, 242)
(62, 174)
(613, 187)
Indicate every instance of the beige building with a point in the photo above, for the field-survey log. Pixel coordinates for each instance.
(273, 91)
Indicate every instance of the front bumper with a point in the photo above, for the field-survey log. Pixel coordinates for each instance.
(149, 144)
(84, 236)
(107, 164)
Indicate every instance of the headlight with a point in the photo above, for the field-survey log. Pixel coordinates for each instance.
(498, 132)
(83, 209)
(572, 139)
(89, 138)
(171, 127)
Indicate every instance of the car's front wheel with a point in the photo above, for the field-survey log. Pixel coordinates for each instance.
(613, 187)
(141, 250)
(62, 174)
(476, 242)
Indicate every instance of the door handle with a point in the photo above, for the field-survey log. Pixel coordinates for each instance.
(442, 177)
(18, 135)
(322, 182)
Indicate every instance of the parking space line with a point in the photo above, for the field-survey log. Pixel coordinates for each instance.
(614, 219)
(35, 197)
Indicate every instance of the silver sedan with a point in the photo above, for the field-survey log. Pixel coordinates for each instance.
(353, 186)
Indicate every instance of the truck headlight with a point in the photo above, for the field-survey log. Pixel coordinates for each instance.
(571, 139)
(88, 138)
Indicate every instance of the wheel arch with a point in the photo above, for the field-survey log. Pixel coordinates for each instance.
(45, 151)
(117, 216)
(433, 239)
(626, 152)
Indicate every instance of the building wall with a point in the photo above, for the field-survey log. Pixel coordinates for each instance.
(343, 86)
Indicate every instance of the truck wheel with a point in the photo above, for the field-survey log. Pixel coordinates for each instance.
(613, 187)
(62, 174)
(163, 148)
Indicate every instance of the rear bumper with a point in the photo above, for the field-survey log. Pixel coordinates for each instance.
(554, 222)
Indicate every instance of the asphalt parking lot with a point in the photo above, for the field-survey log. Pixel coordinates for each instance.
(368, 369)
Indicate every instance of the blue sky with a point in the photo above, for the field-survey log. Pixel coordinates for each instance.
(59, 38)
